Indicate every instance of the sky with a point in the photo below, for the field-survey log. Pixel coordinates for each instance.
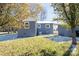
(49, 11)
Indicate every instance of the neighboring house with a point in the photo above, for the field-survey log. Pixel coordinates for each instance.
(33, 28)
(63, 31)
(67, 32)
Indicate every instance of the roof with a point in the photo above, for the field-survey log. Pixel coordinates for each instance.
(29, 19)
(53, 22)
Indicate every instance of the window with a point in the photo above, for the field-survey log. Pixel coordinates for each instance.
(39, 25)
(47, 25)
(26, 25)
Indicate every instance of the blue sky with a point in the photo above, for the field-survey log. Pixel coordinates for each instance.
(49, 11)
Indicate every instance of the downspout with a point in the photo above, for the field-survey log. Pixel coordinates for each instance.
(35, 28)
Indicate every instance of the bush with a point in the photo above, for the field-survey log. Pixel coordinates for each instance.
(66, 26)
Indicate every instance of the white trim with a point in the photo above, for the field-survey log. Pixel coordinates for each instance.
(47, 22)
(39, 25)
(35, 28)
(28, 25)
(47, 25)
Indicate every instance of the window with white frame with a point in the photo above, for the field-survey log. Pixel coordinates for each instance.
(39, 25)
(47, 25)
(26, 25)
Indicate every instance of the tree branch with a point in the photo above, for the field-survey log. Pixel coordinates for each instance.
(65, 11)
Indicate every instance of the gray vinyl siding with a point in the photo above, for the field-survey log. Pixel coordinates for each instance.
(63, 31)
(66, 32)
(45, 30)
(28, 32)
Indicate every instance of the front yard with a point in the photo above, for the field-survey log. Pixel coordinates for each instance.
(34, 46)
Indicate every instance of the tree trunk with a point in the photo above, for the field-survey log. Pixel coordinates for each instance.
(73, 48)
(8, 29)
(74, 41)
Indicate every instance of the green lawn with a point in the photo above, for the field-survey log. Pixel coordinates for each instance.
(32, 46)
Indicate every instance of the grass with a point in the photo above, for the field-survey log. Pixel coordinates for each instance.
(78, 49)
(33, 46)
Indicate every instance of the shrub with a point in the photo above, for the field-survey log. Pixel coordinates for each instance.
(66, 26)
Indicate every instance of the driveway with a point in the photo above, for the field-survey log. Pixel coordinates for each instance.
(61, 38)
(8, 37)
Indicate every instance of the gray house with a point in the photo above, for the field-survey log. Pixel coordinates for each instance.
(33, 28)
